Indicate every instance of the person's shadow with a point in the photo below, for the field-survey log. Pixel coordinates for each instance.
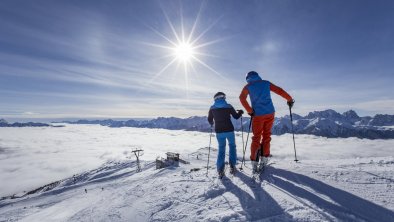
(261, 206)
(327, 199)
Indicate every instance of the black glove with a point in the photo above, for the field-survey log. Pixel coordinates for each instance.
(290, 103)
(240, 111)
(251, 114)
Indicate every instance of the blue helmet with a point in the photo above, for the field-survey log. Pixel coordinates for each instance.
(251, 74)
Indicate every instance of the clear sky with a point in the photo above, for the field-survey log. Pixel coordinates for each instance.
(110, 58)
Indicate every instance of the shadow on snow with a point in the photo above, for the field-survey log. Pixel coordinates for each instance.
(347, 206)
(261, 206)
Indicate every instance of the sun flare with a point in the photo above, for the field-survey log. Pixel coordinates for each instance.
(185, 48)
(184, 52)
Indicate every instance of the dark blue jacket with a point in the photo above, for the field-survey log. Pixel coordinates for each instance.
(220, 113)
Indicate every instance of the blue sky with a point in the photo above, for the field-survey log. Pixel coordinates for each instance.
(63, 59)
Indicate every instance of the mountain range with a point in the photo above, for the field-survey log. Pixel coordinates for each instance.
(327, 123)
(4, 123)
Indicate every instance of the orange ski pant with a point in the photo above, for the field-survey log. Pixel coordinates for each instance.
(261, 127)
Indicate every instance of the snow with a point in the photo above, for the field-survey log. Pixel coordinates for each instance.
(386, 127)
(336, 180)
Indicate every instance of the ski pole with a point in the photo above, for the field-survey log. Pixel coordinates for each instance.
(242, 133)
(292, 129)
(209, 149)
(243, 142)
(247, 138)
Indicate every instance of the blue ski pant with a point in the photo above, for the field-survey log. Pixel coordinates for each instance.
(222, 137)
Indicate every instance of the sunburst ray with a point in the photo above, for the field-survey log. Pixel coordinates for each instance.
(184, 48)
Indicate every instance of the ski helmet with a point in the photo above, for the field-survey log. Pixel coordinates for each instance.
(219, 95)
(250, 74)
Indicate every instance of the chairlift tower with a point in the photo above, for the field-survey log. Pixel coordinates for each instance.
(137, 154)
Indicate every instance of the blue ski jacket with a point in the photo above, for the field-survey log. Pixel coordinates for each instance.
(259, 92)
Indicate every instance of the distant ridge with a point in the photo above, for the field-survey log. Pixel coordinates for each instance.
(4, 123)
(327, 123)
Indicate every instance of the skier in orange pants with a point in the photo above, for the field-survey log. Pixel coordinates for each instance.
(262, 113)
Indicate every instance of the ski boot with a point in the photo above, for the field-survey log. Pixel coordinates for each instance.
(221, 174)
(263, 163)
(232, 170)
(255, 168)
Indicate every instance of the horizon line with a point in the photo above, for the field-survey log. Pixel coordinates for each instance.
(15, 118)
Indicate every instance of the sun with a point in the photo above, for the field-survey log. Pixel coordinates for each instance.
(185, 47)
(184, 52)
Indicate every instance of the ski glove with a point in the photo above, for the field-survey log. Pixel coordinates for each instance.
(240, 111)
(251, 114)
(290, 103)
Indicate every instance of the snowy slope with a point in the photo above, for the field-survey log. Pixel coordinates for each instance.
(346, 190)
(336, 180)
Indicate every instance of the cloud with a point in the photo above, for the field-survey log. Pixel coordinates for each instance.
(267, 48)
(28, 113)
(385, 106)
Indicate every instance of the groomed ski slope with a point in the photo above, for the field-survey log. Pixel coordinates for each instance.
(312, 190)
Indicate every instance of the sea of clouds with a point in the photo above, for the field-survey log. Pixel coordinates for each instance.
(31, 157)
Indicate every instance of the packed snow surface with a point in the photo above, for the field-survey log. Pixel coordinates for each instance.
(335, 180)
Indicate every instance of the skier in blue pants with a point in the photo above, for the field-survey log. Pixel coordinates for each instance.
(220, 113)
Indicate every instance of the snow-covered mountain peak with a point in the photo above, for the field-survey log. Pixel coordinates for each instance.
(295, 116)
(3, 121)
(329, 113)
(351, 114)
(330, 123)
(383, 120)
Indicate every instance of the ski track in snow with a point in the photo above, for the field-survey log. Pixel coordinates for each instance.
(315, 189)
